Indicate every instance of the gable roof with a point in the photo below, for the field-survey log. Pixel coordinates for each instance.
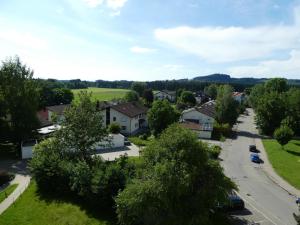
(208, 109)
(190, 125)
(173, 93)
(130, 109)
(58, 109)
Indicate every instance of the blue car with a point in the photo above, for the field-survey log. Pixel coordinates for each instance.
(255, 158)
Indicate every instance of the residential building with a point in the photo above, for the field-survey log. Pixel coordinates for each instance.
(169, 95)
(46, 115)
(131, 116)
(201, 97)
(238, 96)
(200, 119)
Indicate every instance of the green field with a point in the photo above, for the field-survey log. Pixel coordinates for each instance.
(31, 209)
(286, 162)
(102, 94)
(7, 191)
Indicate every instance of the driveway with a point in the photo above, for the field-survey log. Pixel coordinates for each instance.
(267, 203)
(112, 154)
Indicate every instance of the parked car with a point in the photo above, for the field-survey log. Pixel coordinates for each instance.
(298, 201)
(252, 148)
(126, 142)
(234, 202)
(255, 158)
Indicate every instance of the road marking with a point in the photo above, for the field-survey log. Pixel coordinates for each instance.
(257, 210)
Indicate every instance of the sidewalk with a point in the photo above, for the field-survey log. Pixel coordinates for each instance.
(268, 169)
(23, 182)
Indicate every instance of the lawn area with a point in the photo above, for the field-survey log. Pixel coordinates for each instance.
(102, 94)
(140, 142)
(286, 162)
(7, 191)
(30, 209)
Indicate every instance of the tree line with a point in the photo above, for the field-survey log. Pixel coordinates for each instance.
(277, 107)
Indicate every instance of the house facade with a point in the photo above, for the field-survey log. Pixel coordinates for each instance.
(168, 95)
(45, 115)
(238, 96)
(200, 119)
(131, 116)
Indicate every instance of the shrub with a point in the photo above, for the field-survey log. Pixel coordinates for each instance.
(283, 135)
(214, 151)
(114, 128)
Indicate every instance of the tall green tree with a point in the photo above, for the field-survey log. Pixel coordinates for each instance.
(211, 91)
(20, 97)
(139, 87)
(270, 111)
(227, 109)
(161, 115)
(148, 97)
(278, 85)
(131, 96)
(187, 98)
(82, 127)
(178, 183)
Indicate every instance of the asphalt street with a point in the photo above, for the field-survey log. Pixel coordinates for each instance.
(266, 202)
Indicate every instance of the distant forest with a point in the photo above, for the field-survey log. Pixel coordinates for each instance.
(196, 84)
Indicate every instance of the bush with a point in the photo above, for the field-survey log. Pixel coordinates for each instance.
(114, 128)
(283, 135)
(214, 151)
(221, 130)
(5, 177)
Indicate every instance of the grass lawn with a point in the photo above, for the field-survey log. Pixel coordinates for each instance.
(140, 142)
(286, 162)
(7, 191)
(31, 209)
(102, 94)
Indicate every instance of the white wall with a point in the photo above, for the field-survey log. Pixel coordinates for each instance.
(115, 141)
(205, 134)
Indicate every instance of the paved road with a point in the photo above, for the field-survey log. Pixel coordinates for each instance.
(266, 202)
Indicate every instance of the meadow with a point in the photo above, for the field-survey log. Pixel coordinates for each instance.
(102, 94)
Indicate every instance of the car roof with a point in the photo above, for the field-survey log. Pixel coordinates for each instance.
(254, 155)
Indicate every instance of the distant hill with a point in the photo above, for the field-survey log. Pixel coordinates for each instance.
(225, 78)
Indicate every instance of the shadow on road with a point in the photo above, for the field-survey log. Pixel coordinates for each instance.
(246, 134)
(244, 212)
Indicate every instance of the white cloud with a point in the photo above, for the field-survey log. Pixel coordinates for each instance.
(142, 50)
(229, 44)
(22, 39)
(115, 13)
(173, 67)
(115, 4)
(271, 68)
(93, 3)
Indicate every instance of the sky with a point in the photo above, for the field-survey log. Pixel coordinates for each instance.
(148, 40)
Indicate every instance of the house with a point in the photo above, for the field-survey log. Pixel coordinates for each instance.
(200, 119)
(238, 96)
(45, 115)
(201, 97)
(169, 95)
(131, 116)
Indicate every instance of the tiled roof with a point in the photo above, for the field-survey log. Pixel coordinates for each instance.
(207, 108)
(130, 109)
(237, 93)
(191, 125)
(58, 109)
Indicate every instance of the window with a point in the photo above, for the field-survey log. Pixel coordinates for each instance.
(123, 127)
(114, 118)
(124, 119)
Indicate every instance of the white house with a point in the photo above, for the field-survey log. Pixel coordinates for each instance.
(169, 95)
(45, 115)
(200, 119)
(131, 116)
(238, 96)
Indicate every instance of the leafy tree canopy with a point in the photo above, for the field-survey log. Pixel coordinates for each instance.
(178, 183)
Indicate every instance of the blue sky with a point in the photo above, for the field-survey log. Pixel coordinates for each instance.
(152, 39)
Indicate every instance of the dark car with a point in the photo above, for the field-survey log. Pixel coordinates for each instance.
(126, 142)
(298, 201)
(235, 202)
(255, 158)
(252, 148)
